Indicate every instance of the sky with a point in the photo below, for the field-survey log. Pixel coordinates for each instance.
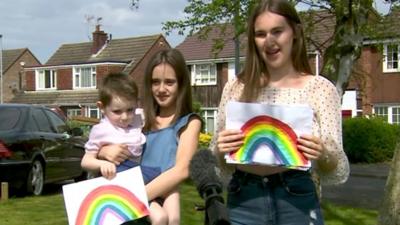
(44, 25)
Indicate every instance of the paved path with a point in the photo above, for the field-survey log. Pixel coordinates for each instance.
(364, 188)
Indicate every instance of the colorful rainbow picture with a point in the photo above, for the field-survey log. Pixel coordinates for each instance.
(109, 200)
(277, 136)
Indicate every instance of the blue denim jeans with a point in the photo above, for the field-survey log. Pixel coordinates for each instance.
(287, 198)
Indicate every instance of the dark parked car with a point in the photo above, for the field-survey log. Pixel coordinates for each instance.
(37, 147)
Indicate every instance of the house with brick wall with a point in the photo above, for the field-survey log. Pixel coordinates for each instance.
(381, 62)
(13, 64)
(373, 89)
(69, 79)
(210, 69)
(374, 85)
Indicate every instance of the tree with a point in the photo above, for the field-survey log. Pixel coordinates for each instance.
(204, 15)
(351, 27)
(390, 211)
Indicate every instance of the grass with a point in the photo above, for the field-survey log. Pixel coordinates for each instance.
(49, 209)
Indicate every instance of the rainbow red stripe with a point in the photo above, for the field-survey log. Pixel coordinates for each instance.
(110, 200)
(277, 135)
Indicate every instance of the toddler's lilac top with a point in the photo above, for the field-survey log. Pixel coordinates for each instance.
(105, 133)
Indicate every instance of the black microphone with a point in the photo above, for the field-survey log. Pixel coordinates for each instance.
(203, 171)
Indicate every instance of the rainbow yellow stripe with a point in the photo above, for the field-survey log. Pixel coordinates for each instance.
(277, 135)
(110, 199)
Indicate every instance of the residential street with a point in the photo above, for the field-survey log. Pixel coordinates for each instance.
(364, 188)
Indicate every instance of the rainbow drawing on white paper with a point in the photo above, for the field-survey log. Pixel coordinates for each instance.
(277, 136)
(110, 200)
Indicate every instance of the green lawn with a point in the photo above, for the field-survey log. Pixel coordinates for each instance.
(49, 209)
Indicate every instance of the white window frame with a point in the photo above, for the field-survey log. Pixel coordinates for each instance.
(388, 60)
(207, 113)
(204, 74)
(77, 77)
(90, 109)
(390, 112)
(397, 115)
(40, 79)
(73, 112)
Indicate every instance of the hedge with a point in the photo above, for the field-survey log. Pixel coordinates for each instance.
(369, 140)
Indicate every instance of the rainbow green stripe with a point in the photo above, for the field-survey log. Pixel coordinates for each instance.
(277, 135)
(110, 199)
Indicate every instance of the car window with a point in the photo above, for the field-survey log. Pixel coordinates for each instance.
(56, 121)
(9, 118)
(31, 125)
(42, 121)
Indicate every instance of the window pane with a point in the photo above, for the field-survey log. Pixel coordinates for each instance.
(209, 118)
(57, 121)
(53, 79)
(396, 115)
(210, 125)
(40, 118)
(205, 74)
(392, 56)
(9, 118)
(86, 77)
(47, 79)
(382, 111)
(76, 80)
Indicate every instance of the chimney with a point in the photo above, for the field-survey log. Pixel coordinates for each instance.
(99, 39)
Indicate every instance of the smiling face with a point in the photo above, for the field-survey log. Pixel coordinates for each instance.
(273, 38)
(164, 86)
(120, 112)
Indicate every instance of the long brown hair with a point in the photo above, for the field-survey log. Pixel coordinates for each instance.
(254, 66)
(175, 59)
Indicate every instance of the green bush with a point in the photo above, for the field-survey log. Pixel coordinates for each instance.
(84, 126)
(369, 140)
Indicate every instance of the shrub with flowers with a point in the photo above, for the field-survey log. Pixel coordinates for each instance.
(204, 140)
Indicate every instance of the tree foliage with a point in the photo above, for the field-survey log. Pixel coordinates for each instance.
(351, 18)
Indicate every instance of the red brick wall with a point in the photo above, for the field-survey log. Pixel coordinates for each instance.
(385, 86)
(103, 70)
(64, 79)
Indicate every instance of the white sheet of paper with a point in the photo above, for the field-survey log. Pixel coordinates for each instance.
(75, 193)
(298, 117)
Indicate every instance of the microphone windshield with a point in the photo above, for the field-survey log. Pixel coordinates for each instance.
(204, 172)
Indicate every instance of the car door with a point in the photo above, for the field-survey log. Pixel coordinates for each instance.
(71, 147)
(52, 146)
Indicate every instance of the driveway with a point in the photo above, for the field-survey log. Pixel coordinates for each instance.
(364, 188)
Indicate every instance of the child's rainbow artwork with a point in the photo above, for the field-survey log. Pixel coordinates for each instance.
(106, 202)
(110, 199)
(268, 138)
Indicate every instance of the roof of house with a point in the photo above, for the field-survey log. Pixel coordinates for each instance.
(390, 27)
(318, 29)
(125, 50)
(10, 56)
(197, 48)
(60, 98)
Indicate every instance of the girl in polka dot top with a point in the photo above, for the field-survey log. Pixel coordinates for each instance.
(277, 71)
